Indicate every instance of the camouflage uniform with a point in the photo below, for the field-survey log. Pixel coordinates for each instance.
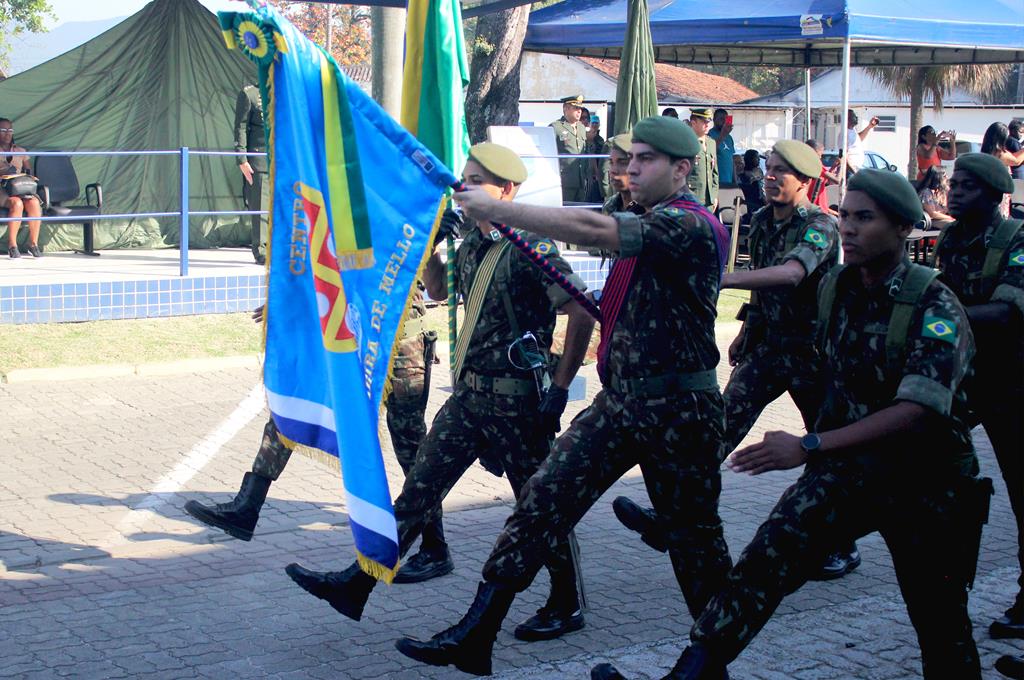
(476, 421)
(999, 367)
(664, 334)
(571, 138)
(778, 353)
(405, 407)
(703, 181)
(911, 487)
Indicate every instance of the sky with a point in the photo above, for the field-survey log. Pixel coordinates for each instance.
(76, 10)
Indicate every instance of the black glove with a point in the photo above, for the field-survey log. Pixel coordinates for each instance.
(551, 407)
(451, 225)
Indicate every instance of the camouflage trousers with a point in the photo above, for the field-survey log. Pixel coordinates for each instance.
(921, 521)
(1000, 416)
(761, 377)
(459, 433)
(676, 443)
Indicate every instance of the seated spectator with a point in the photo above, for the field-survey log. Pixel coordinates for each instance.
(13, 163)
(1014, 145)
(995, 143)
(751, 182)
(929, 153)
(932, 190)
(817, 194)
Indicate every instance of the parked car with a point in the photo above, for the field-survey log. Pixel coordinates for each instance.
(872, 159)
(961, 149)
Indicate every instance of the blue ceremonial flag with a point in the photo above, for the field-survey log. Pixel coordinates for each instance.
(351, 218)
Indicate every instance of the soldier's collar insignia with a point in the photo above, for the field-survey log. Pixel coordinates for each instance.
(939, 329)
(1016, 259)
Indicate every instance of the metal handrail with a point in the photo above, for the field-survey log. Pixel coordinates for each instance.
(184, 213)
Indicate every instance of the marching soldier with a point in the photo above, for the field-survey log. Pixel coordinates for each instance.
(660, 406)
(618, 177)
(891, 452)
(981, 257)
(500, 407)
(703, 181)
(406, 404)
(571, 138)
(793, 245)
(250, 137)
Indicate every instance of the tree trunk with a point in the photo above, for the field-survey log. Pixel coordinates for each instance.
(493, 96)
(916, 117)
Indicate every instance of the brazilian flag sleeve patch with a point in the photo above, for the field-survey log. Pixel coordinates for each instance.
(939, 329)
(1016, 258)
(544, 247)
(816, 238)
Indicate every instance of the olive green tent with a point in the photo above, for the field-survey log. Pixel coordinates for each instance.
(161, 79)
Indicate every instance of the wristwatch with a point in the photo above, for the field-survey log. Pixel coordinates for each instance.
(810, 443)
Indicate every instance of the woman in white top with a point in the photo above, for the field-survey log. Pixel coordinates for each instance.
(13, 163)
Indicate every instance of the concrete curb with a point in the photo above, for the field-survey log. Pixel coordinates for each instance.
(60, 373)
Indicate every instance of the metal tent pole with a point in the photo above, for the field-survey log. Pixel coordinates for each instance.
(845, 124)
(808, 133)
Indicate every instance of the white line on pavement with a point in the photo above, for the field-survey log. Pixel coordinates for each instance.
(196, 459)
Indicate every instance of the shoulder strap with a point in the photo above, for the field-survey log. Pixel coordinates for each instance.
(938, 244)
(826, 300)
(914, 285)
(1001, 239)
(474, 303)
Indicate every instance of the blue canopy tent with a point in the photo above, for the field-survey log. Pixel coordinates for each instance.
(797, 33)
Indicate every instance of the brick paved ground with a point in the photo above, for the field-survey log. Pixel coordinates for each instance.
(103, 575)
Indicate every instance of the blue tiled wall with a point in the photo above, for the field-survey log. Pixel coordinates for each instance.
(41, 303)
(50, 302)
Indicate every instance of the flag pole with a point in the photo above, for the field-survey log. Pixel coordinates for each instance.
(541, 262)
(453, 298)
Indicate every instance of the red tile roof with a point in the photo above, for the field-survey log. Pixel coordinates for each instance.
(683, 84)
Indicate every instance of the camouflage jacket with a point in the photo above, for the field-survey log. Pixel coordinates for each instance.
(534, 301)
(572, 139)
(409, 368)
(961, 258)
(614, 204)
(811, 238)
(860, 380)
(667, 321)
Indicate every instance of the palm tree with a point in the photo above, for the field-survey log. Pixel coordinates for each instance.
(914, 82)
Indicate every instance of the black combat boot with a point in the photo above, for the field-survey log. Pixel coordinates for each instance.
(238, 516)
(347, 591)
(425, 565)
(838, 564)
(694, 664)
(1011, 623)
(561, 614)
(644, 521)
(467, 645)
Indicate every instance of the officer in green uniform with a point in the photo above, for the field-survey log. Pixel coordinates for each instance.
(660, 406)
(571, 139)
(892, 450)
(703, 181)
(981, 257)
(251, 137)
(410, 380)
(792, 246)
(500, 407)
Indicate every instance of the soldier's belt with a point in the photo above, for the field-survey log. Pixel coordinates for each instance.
(664, 385)
(510, 387)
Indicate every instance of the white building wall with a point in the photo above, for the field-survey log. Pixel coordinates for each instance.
(551, 77)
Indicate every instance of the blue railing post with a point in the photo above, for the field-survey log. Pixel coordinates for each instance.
(183, 238)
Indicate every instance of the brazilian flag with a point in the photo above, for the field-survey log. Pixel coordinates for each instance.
(816, 238)
(939, 329)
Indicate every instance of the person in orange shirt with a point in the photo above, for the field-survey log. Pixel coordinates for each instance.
(929, 153)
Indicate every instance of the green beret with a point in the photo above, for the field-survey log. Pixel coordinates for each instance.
(576, 99)
(891, 191)
(988, 169)
(500, 161)
(623, 142)
(701, 113)
(668, 135)
(799, 156)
